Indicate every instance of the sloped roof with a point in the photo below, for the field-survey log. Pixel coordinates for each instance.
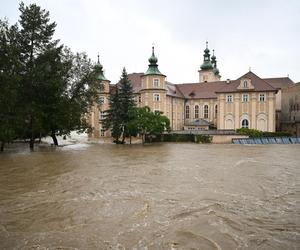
(279, 82)
(200, 90)
(258, 84)
(208, 90)
(172, 90)
(136, 81)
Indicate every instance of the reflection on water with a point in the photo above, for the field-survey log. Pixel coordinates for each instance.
(161, 196)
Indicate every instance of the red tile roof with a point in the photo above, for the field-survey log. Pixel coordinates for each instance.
(210, 89)
(258, 84)
(200, 90)
(279, 82)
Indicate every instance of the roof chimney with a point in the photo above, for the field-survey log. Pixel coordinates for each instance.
(228, 81)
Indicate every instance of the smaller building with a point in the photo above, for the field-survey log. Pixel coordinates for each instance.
(290, 109)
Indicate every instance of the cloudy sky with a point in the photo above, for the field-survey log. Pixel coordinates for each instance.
(261, 34)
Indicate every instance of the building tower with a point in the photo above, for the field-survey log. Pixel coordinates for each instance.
(102, 104)
(208, 70)
(153, 91)
(215, 68)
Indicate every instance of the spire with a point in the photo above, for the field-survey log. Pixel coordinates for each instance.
(213, 58)
(206, 61)
(153, 66)
(99, 70)
(214, 64)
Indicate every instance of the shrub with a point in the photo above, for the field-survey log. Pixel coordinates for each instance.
(253, 133)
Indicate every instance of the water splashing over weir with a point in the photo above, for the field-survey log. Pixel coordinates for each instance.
(267, 140)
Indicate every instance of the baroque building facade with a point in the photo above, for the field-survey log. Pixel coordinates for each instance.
(249, 101)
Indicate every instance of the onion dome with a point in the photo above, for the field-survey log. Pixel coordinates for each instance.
(214, 63)
(99, 71)
(206, 62)
(153, 66)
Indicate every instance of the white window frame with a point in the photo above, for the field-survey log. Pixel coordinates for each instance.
(205, 111)
(229, 98)
(187, 112)
(156, 82)
(262, 97)
(245, 98)
(156, 97)
(102, 132)
(245, 126)
(101, 115)
(196, 111)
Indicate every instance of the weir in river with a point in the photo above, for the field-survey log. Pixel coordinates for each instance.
(267, 140)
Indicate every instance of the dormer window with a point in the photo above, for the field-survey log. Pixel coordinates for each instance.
(245, 84)
(156, 82)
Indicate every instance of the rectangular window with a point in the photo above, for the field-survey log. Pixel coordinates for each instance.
(101, 115)
(205, 112)
(196, 111)
(187, 112)
(261, 97)
(101, 100)
(245, 98)
(102, 132)
(156, 82)
(229, 98)
(156, 97)
(140, 98)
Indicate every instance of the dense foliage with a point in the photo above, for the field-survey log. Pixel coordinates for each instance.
(170, 137)
(252, 133)
(121, 102)
(45, 88)
(147, 123)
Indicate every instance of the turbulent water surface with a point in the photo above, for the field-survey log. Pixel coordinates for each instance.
(160, 196)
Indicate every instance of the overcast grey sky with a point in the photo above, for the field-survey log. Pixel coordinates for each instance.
(261, 34)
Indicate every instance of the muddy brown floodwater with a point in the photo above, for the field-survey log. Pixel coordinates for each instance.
(160, 196)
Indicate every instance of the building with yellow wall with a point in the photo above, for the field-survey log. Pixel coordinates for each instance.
(249, 101)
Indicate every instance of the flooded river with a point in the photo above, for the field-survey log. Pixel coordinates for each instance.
(160, 196)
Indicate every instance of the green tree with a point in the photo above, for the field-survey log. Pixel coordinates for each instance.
(147, 123)
(10, 101)
(36, 36)
(127, 102)
(113, 118)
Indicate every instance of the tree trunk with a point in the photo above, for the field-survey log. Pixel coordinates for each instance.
(129, 139)
(31, 142)
(2, 146)
(143, 138)
(54, 138)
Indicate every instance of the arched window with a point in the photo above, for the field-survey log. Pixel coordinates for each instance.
(216, 111)
(245, 123)
(187, 112)
(196, 111)
(205, 112)
(245, 84)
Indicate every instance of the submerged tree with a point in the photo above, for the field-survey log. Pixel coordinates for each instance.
(113, 117)
(45, 88)
(36, 37)
(118, 118)
(145, 122)
(127, 102)
(10, 99)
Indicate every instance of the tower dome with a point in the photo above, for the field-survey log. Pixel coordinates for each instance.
(206, 59)
(153, 66)
(99, 71)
